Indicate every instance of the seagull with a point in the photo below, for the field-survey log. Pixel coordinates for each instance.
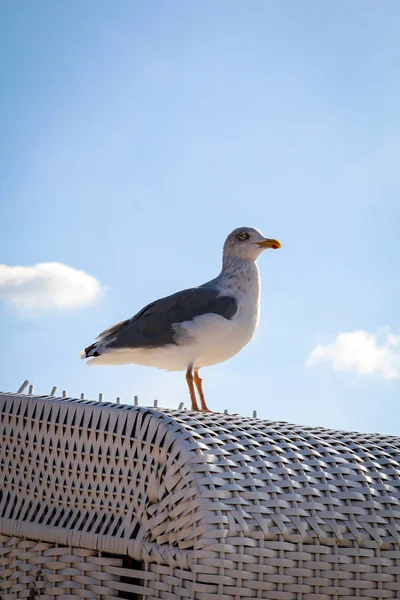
(197, 327)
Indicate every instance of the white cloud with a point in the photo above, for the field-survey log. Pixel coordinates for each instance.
(47, 287)
(362, 352)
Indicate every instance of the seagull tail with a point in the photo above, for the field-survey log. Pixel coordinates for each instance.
(90, 351)
(100, 354)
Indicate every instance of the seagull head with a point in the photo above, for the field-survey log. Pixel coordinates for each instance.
(247, 243)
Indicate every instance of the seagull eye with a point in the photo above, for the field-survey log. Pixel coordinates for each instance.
(243, 236)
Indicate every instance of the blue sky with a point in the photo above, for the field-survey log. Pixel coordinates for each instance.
(136, 135)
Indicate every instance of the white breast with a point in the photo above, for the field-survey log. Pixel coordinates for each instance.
(220, 339)
(211, 339)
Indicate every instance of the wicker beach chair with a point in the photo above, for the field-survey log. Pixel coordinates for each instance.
(107, 501)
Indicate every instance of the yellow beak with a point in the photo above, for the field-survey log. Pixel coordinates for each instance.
(267, 243)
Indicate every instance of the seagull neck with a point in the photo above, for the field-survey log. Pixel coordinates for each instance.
(235, 263)
(240, 273)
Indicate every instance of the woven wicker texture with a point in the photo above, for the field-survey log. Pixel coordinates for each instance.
(212, 505)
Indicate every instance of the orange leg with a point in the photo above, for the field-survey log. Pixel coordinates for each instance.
(189, 379)
(199, 385)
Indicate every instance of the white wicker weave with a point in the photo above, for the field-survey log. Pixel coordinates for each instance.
(102, 500)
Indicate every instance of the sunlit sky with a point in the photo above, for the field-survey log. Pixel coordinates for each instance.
(136, 135)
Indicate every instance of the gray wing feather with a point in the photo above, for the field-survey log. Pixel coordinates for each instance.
(155, 324)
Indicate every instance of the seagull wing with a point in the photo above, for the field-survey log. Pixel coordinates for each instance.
(155, 325)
